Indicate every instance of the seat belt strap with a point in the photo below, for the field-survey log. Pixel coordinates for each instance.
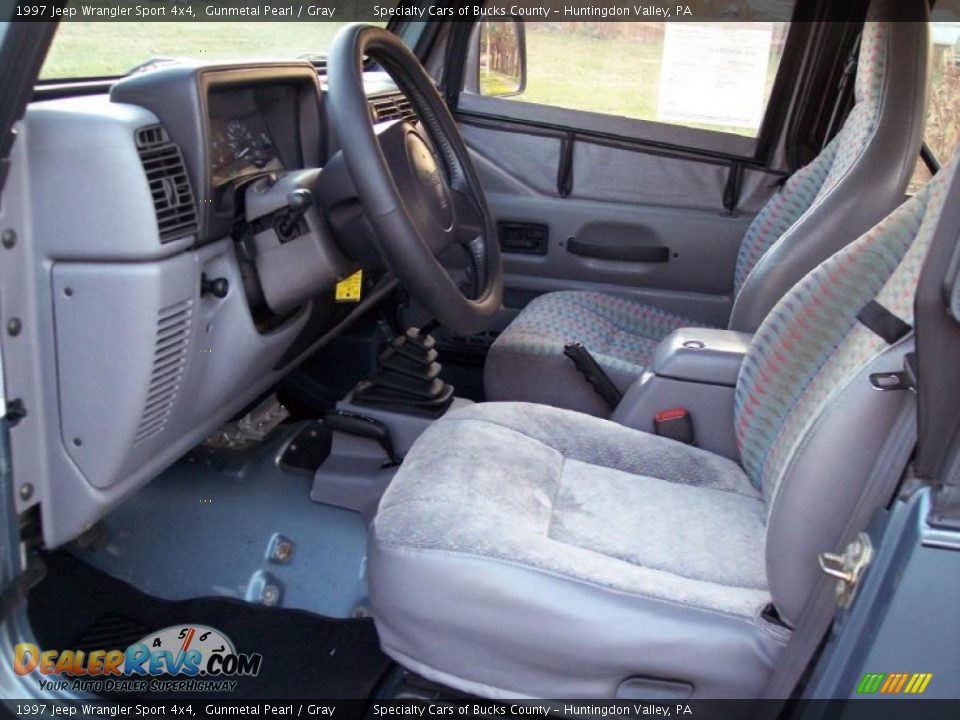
(849, 74)
(876, 318)
(817, 616)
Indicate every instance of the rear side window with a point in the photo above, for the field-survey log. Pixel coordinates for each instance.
(942, 128)
(709, 75)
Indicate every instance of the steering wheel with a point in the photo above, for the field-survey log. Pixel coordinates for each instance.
(416, 182)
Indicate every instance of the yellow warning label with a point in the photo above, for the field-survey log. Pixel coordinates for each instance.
(349, 289)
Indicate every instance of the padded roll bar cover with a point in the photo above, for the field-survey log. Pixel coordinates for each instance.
(701, 355)
(873, 187)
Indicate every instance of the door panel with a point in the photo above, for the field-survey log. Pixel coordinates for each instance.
(620, 202)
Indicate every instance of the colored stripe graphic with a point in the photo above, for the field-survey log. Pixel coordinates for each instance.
(894, 683)
(918, 683)
(870, 683)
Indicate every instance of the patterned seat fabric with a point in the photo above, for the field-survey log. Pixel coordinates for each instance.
(812, 344)
(812, 182)
(622, 334)
(524, 549)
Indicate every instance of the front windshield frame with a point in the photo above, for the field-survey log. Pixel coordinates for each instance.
(315, 55)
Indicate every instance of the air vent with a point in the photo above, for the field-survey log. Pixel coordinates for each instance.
(169, 361)
(393, 106)
(169, 184)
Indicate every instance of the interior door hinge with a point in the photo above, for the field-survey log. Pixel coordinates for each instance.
(848, 568)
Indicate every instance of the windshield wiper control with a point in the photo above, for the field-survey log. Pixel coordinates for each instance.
(298, 202)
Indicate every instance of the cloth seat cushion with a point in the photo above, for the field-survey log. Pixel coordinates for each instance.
(604, 522)
(527, 362)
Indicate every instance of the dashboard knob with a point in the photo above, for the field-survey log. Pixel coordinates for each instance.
(218, 287)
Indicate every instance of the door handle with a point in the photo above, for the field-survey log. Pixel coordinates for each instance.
(625, 253)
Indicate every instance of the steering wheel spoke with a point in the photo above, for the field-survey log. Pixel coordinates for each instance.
(415, 181)
(469, 223)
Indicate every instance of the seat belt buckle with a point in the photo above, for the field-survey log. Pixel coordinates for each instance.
(675, 424)
(905, 379)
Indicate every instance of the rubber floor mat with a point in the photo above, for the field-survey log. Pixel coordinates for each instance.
(304, 655)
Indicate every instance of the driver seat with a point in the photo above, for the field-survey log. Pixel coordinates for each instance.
(858, 178)
(526, 550)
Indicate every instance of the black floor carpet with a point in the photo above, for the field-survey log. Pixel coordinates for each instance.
(304, 655)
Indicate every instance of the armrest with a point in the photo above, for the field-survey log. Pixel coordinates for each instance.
(701, 355)
(696, 369)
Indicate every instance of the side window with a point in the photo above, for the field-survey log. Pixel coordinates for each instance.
(709, 75)
(942, 130)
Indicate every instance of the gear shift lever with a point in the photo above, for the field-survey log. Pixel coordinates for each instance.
(408, 377)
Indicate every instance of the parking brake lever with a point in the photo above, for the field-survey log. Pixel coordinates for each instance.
(593, 373)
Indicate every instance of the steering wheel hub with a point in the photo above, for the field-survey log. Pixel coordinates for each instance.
(431, 183)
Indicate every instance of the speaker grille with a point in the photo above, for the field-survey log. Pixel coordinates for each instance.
(169, 361)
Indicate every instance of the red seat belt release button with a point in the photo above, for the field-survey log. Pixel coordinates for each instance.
(675, 424)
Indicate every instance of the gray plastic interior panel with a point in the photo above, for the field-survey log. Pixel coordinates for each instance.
(710, 408)
(624, 196)
(186, 364)
(79, 204)
(89, 195)
(354, 477)
(701, 355)
(214, 523)
(697, 278)
(142, 313)
(357, 472)
(292, 272)
(404, 427)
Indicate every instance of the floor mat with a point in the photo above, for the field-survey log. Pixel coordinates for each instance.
(304, 655)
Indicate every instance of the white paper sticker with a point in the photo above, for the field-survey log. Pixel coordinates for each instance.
(714, 73)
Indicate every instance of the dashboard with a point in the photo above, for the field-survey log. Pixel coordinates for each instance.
(181, 243)
(233, 123)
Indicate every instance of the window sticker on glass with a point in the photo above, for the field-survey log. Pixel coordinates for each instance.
(715, 73)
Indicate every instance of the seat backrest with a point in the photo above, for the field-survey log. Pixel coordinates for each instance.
(808, 423)
(858, 178)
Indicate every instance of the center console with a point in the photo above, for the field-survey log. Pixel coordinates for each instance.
(374, 427)
(694, 370)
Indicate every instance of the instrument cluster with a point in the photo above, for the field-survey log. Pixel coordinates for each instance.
(240, 145)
